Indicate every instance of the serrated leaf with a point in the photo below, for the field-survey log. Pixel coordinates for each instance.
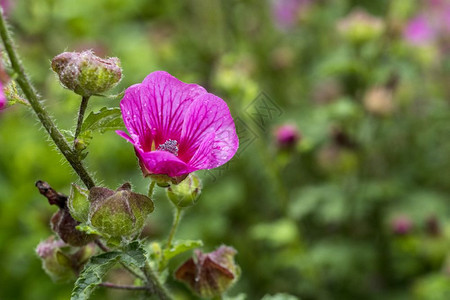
(134, 255)
(103, 120)
(179, 247)
(93, 273)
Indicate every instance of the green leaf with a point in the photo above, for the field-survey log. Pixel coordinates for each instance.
(103, 120)
(133, 257)
(93, 273)
(179, 247)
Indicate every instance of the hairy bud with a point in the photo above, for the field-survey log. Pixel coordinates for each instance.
(119, 213)
(85, 73)
(64, 225)
(186, 192)
(59, 262)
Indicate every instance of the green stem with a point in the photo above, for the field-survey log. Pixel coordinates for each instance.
(123, 287)
(176, 221)
(83, 106)
(154, 285)
(44, 118)
(151, 187)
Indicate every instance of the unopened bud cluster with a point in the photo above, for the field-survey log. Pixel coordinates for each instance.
(85, 73)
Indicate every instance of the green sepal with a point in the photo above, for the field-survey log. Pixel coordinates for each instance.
(78, 203)
(88, 229)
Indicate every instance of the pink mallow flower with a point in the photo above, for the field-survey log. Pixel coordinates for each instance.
(287, 12)
(177, 128)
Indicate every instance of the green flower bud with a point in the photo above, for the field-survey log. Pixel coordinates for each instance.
(119, 213)
(85, 73)
(186, 192)
(210, 275)
(78, 203)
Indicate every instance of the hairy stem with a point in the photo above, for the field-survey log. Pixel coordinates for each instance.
(123, 287)
(44, 118)
(83, 106)
(176, 221)
(155, 287)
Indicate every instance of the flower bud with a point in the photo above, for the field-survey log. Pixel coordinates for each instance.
(85, 73)
(64, 225)
(210, 275)
(287, 135)
(59, 262)
(185, 193)
(54, 262)
(359, 26)
(119, 213)
(78, 203)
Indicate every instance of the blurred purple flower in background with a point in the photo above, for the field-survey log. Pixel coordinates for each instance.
(430, 24)
(401, 225)
(177, 128)
(419, 31)
(286, 13)
(6, 5)
(287, 135)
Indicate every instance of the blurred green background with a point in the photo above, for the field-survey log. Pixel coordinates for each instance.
(357, 209)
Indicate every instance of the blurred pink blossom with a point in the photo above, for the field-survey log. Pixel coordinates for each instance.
(419, 31)
(286, 12)
(287, 135)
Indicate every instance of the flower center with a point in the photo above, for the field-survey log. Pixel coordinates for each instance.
(170, 146)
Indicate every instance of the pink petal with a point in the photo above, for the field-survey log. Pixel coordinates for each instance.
(163, 162)
(208, 136)
(125, 136)
(166, 99)
(2, 97)
(135, 117)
